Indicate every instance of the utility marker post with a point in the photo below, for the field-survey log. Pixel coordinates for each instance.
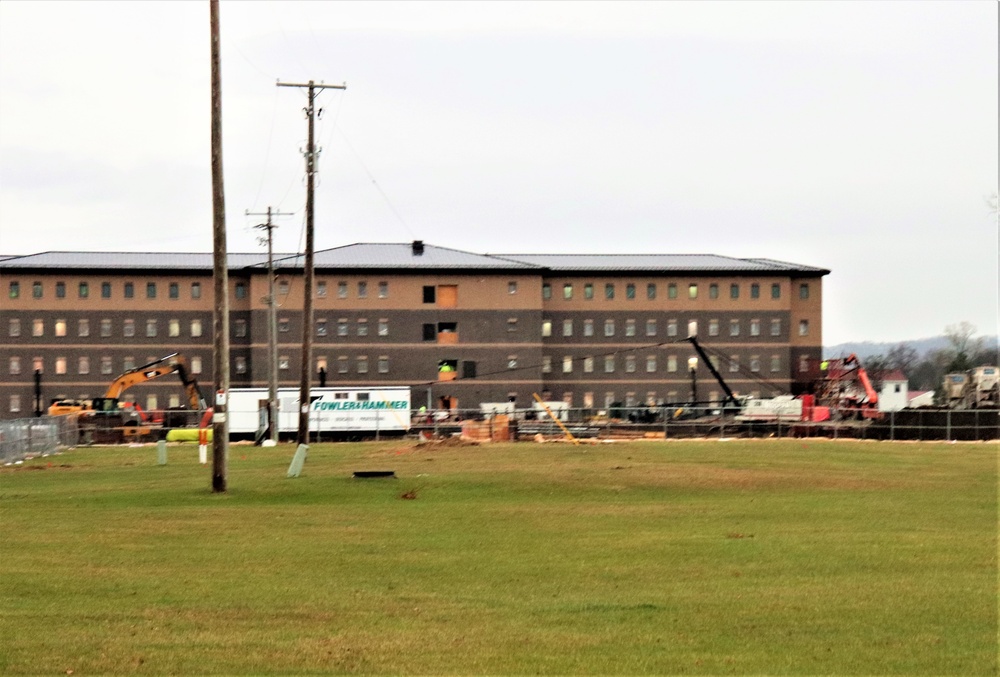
(312, 163)
(220, 265)
(272, 326)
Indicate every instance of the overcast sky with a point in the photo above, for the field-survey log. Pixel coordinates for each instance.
(856, 136)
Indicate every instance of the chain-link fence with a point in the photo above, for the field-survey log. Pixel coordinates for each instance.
(27, 437)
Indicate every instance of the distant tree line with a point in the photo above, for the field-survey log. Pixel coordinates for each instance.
(963, 352)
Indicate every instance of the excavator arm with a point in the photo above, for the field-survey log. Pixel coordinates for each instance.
(155, 369)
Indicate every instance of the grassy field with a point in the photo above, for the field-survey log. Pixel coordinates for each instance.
(757, 557)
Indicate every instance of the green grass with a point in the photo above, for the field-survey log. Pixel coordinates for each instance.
(758, 557)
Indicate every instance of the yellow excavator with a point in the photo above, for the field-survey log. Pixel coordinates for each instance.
(109, 413)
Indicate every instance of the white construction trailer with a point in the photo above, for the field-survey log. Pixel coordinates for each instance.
(337, 411)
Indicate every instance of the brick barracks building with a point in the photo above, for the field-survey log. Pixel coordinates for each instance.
(590, 330)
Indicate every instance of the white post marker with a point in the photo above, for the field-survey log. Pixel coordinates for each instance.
(161, 452)
(298, 461)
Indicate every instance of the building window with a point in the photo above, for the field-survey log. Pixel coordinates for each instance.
(105, 290)
(342, 290)
(105, 364)
(804, 363)
(775, 291)
(83, 365)
(38, 364)
(241, 290)
(804, 291)
(755, 363)
(546, 291)
(240, 365)
(630, 291)
(609, 291)
(713, 327)
(512, 287)
(775, 363)
(567, 327)
(362, 327)
(776, 327)
(713, 291)
(671, 363)
(60, 290)
(342, 327)
(362, 289)
(511, 324)
(803, 327)
(734, 363)
(755, 291)
(173, 327)
(342, 365)
(240, 328)
(320, 327)
(650, 363)
(383, 364)
(755, 327)
(14, 366)
(37, 328)
(128, 328)
(383, 290)
(60, 365)
(430, 293)
(734, 291)
(174, 290)
(195, 328)
(546, 364)
(630, 364)
(546, 328)
(672, 290)
(609, 364)
(512, 361)
(284, 324)
(151, 403)
(630, 327)
(60, 327)
(14, 291)
(362, 364)
(151, 328)
(129, 290)
(734, 327)
(567, 291)
(36, 290)
(283, 362)
(650, 327)
(692, 327)
(692, 291)
(383, 327)
(651, 291)
(129, 363)
(196, 290)
(15, 403)
(106, 328)
(567, 364)
(14, 327)
(321, 289)
(588, 327)
(195, 365)
(588, 364)
(609, 327)
(150, 290)
(671, 327)
(588, 291)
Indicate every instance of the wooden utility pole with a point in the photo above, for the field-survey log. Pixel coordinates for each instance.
(272, 325)
(220, 324)
(307, 312)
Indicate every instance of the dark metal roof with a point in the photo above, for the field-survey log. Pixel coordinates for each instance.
(658, 262)
(403, 256)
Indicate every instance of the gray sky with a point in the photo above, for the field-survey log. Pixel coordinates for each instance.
(856, 136)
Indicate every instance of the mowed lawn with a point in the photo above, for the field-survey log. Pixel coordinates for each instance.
(681, 557)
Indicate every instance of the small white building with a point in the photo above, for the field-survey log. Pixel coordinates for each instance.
(895, 393)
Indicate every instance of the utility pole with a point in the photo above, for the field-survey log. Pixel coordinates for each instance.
(272, 325)
(307, 311)
(220, 264)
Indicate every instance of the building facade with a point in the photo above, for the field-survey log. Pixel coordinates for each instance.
(459, 328)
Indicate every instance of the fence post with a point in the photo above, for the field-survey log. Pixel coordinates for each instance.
(892, 426)
(947, 425)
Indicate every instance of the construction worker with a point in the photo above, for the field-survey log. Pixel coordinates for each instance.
(824, 365)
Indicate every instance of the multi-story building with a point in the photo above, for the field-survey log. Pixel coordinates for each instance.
(460, 328)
